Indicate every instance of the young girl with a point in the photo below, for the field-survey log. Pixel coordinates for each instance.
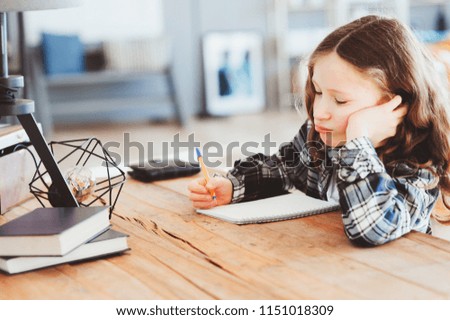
(377, 137)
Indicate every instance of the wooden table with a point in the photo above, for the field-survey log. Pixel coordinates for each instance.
(179, 254)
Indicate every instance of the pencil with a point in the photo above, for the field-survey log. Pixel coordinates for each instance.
(204, 171)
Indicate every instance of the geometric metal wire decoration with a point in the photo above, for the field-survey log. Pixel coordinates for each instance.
(75, 156)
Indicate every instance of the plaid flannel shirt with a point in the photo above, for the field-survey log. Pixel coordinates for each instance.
(377, 207)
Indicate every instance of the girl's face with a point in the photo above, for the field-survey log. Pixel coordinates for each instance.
(340, 90)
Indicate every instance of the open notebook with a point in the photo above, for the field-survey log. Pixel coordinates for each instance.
(288, 206)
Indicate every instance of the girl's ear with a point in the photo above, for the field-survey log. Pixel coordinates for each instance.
(406, 97)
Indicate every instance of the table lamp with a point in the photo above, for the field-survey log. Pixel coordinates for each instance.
(23, 109)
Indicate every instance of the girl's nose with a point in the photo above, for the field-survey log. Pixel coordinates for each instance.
(321, 111)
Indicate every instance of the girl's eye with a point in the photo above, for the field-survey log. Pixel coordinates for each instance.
(340, 101)
(317, 92)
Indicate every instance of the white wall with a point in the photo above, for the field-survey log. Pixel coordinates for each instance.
(99, 20)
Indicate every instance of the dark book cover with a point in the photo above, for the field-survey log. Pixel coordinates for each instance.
(48, 221)
(52, 231)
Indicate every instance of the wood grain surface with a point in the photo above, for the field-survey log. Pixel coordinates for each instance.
(179, 254)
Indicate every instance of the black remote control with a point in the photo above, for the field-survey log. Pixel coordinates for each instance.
(154, 170)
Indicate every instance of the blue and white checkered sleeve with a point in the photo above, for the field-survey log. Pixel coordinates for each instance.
(261, 176)
(377, 208)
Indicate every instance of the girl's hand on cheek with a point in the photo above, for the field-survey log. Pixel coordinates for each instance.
(378, 122)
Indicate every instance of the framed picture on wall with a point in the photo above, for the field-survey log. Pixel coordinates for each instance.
(233, 73)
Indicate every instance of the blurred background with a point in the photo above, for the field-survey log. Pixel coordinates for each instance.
(152, 62)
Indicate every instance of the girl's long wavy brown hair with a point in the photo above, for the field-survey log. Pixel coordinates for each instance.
(386, 51)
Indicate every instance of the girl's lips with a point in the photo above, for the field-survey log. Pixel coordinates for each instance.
(321, 129)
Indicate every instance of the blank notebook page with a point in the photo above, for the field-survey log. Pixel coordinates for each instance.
(288, 206)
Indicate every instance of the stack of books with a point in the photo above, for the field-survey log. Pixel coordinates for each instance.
(51, 236)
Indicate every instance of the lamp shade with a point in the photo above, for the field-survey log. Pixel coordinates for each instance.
(28, 5)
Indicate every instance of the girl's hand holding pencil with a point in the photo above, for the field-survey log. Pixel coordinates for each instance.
(209, 192)
(204, 171)
(200, 192)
